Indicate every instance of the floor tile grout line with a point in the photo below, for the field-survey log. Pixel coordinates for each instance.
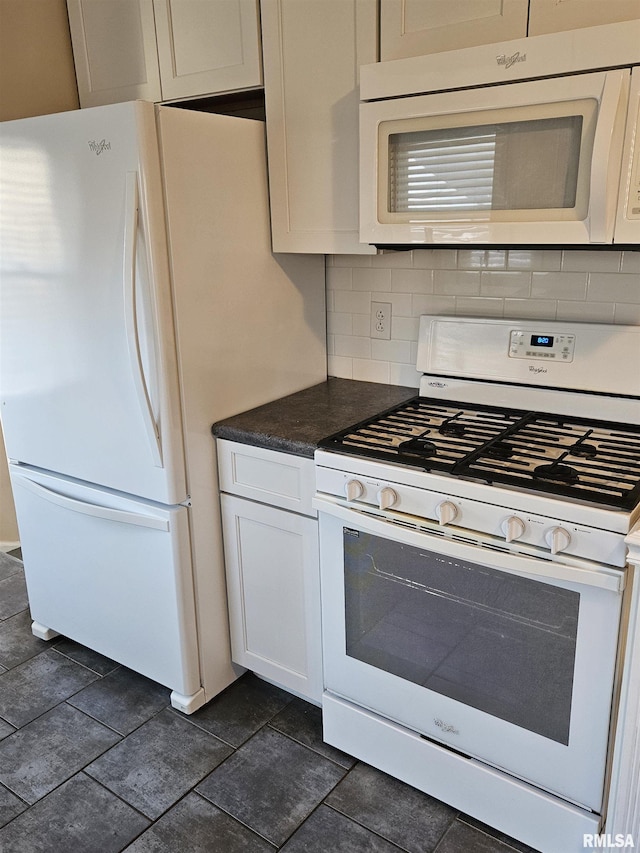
(369, 829)
(235, 817)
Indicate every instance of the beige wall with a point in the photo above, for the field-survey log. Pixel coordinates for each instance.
(36, 77)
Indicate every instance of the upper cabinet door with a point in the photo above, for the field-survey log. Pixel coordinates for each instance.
(416, 27)
(206, 47)
(114, 50)
(162, 50)
(550, 16)
(313, 50)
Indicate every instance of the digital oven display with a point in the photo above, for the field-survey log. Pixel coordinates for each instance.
(541, 340)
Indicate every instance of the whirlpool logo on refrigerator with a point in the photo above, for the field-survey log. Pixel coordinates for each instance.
(99, 148)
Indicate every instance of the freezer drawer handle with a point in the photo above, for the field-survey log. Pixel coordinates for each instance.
(131, 318)
(92, 509)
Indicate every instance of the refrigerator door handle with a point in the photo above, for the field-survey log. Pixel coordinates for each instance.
(96, 510)
(131, 317)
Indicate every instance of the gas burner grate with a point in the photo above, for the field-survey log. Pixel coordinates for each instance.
(594, 461)
(433, 435)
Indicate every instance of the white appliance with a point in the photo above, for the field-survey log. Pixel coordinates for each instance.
(474, 572)
(509, 143)
(140, 303)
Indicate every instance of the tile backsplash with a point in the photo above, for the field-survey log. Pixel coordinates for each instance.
(543, 284)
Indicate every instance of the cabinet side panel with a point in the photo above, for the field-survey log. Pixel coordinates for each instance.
(250, 325)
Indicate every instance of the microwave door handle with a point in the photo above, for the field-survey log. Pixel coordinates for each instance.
(131, 317)
(605, 165)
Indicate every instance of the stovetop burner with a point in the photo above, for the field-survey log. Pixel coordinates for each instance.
(588, 460)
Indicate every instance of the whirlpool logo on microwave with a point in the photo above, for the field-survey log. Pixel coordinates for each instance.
(508, 61)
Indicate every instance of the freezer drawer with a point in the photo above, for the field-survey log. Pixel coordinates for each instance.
(112, 573)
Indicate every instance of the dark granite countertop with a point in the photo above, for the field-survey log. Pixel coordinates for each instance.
(295, 424)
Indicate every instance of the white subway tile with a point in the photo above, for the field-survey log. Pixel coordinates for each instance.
(585, 312)
(481, 259)
(559, 285)
(352, 260)
(405, 328)
(392, 260)
(397, 351)
(412, 281)
(614, 287)
(361, 325)
(524, 309)
(339, 278)
(456, 282)
(590, 261)
(505, 284)
(350, 302)
(339, 324)
(435, 259)
(534, 259)
(404, 374)
(352, 346)
(340, 367)
(479, 306)
(371, 371)
(331, 344)
(426, 303)
(627, 314)
(630, 262)
(371, 279)
(400, 302)
(329, 301)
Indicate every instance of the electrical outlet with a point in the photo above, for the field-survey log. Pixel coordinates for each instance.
(381, 320)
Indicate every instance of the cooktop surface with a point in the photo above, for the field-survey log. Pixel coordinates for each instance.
(589, 460)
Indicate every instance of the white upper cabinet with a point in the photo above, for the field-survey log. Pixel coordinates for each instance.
(552, 16)
(207, 46)
(312, 53)
(416, 27)
(161, 50)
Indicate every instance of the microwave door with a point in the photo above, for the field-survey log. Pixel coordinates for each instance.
(525, 163)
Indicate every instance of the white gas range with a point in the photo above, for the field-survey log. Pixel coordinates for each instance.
(474, 570)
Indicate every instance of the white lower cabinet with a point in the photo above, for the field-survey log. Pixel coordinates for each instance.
(272, 566)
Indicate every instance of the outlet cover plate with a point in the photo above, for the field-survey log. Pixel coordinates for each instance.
(381, 320)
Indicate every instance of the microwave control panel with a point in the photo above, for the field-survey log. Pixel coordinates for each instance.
(538, 345)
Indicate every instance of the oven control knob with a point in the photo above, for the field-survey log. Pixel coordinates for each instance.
(387, 497)
(513, 528)
(353, 490)
(557, 539)
(446, 512)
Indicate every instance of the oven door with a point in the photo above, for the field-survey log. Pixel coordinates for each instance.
(502, 657)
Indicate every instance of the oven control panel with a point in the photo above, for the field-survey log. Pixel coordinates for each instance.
(459, 516)
(540, 345)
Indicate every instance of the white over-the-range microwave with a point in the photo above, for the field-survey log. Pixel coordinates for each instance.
(529, 142)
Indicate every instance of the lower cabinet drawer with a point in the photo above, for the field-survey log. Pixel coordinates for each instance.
(269, 476)
(273, 586)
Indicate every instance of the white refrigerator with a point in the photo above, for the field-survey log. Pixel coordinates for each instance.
(140, 303)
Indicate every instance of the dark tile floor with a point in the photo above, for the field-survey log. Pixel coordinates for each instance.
(94, 760)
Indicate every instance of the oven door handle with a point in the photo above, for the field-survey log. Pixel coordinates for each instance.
(482, 550)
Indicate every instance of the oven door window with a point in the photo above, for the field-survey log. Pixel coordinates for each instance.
(494, 641)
